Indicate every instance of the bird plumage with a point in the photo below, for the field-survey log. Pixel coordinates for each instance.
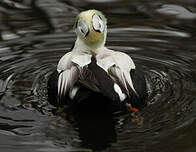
(93, 66)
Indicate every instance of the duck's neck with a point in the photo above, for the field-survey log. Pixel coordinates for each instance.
(81, 47)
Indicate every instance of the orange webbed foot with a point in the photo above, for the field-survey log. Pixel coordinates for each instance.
(135, 116)
(131, 109)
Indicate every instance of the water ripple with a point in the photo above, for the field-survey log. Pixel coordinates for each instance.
(33, 42)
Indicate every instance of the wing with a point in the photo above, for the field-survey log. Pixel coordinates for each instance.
(68, 74)
(118, 65)
(66, 80)
(69, 68)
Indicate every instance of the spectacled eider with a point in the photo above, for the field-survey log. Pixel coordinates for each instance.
(91, 69)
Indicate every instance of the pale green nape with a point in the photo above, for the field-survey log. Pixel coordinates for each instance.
(94, 39)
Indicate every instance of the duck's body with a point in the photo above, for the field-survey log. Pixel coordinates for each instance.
(91, 68)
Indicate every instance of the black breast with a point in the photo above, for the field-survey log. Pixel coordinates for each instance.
(104, 81)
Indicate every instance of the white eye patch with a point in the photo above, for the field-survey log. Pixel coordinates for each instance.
(97, 23)
(82, 27)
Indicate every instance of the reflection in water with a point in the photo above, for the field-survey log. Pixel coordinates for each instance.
(159, 36)
(90, 125)
(94, 129)
(96, 122)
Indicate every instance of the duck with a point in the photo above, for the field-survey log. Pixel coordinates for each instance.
(91, 69)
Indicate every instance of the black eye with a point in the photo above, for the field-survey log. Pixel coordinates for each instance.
(82, 31)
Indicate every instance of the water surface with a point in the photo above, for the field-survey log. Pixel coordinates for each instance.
(159, 35)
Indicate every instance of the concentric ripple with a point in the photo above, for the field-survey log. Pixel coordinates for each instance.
(29, 52)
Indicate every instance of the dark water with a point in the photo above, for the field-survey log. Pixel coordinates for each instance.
(160, 36)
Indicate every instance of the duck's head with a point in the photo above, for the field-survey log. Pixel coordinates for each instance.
(91, 28)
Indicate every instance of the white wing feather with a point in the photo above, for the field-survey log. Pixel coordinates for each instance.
(118, 65)
(67, 79)
(69, 68)
(65, 62)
